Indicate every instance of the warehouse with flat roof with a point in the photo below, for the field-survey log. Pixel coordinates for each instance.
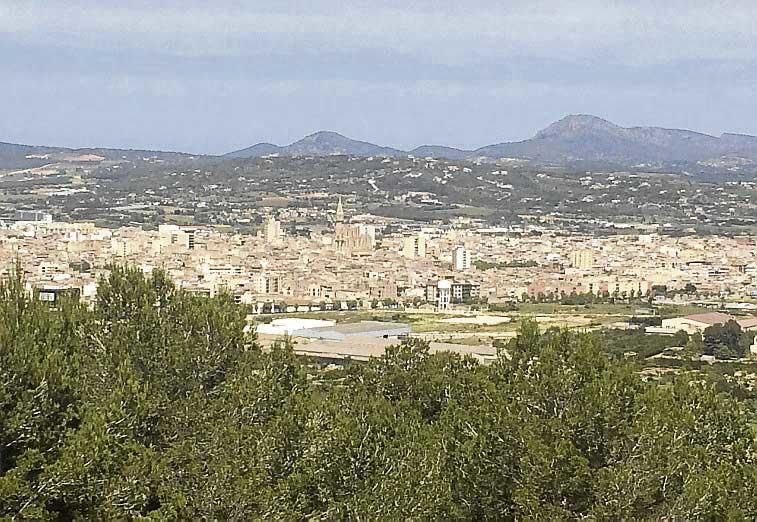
(340, 332)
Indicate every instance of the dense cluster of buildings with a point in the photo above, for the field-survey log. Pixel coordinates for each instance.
(356, 262)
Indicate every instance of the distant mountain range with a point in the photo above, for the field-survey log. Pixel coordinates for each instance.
(575, 138)
(14, 156)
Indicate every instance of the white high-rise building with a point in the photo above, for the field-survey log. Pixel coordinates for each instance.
(414, 246)
(174, 236)
(461, 259)
(272, 231)
(582, 259)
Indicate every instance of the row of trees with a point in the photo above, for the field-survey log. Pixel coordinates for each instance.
(482, 264)
(157, 404)
(585, 298)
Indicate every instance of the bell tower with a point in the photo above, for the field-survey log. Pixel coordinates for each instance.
(339, 212)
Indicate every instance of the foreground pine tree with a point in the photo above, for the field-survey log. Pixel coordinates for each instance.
(155, 403)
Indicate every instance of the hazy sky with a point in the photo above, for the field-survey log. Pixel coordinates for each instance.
(215, 76)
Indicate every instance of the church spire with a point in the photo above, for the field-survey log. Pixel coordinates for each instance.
(339, 211)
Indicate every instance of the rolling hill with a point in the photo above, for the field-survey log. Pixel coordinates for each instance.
(322, 143)
(14, 156)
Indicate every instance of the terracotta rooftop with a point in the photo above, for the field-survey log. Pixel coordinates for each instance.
(710, 318)
(747, 322)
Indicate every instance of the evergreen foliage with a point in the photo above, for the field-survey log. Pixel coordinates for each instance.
(156, 404)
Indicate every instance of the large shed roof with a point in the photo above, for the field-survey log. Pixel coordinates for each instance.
(362, 328)
(710, 318)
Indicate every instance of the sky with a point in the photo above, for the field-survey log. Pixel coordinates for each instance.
(216, 76)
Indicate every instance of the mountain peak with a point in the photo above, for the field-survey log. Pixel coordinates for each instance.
(324, 143)
(577, 123)
(586, 119)
(260, 149)
(325, 136)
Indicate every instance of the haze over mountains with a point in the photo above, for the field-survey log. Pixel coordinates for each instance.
(574, 138)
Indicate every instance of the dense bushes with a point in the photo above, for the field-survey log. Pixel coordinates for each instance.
(155, 403)
(620, 342)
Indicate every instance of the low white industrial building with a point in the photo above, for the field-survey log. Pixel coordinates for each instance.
(289, 325)
(370, 329)
(697, 323)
